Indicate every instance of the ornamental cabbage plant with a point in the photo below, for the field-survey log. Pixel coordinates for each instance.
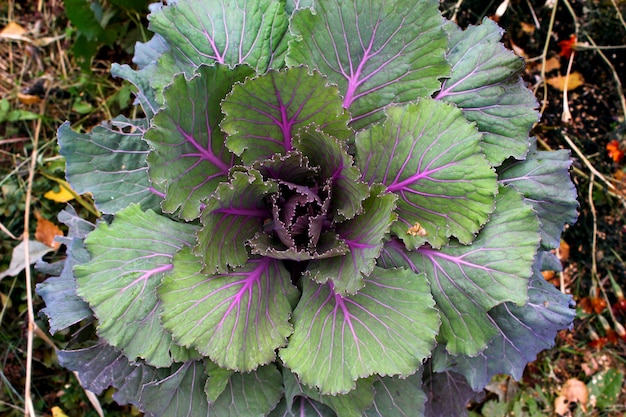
(326, 209)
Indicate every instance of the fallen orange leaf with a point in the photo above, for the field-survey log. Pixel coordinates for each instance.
(28, 98)
(527, 28)
(46, 231)
(574, 81)
(593, 304)
(567, 46)
(615, 151)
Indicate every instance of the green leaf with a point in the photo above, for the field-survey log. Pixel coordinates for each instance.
(387, 328)
(544, 180)
(232, 216)
(263, 114)
(110, 162)
(467, 281)
(252, 394)
(363, 236)
(352, 404)
(224, 32)
(189, 158)
(238, 319)
(378, 53)
(128, 260)
(332, 157)
(485, 83)
(398, 397)
(606, 387)
(429, 155)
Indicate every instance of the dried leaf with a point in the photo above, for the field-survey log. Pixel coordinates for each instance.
(46, 232)
(57, 412)
(575, 80)
(593, 305)
(64, 194)
(18, 262)
(574, 391)
(12, 31)
(615, 151)
(28, 98)
(527, 28)
(563, 252)
(553, 64)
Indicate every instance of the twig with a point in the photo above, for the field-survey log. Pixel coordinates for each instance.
(593, 170)
(457, 7)
(620, 91)
(544, 55)
(566, 117)
(29, 409)
(8, 232)
(619, 14)
(594, 265)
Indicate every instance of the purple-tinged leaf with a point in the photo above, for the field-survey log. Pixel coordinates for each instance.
(467, 281)
(238, 319)
(128, 260)
(336, 164)
(351, 404)
(302, 407)
(329, 245)
(110, 163)
(398, 397)
(485, 83)
(378, 53)
(387, 328)
(102, 366)
(189, 158)
(224, 32)
(429, 155)
(448, 394)
(363, 236)
(544, 180)
(63, 306)
(232, 216)
(263, 114)
(523, 331)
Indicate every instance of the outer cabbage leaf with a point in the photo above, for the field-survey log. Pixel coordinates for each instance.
(224, 32)
(238, 319)
(523, 331)
(128, 260)
(363, 235)
(263, 114)
(232, 216)
(102, 366)
(429, 155)
(250, 394)
(398, 397)
(189, 158)
(63, 306)
(387, 328)
(302, 407)
(485, 83)
(378, 53)
(467, 281)
(110, 163)
(335, 163)
(544, 180)
(448, 394)
(352, 404)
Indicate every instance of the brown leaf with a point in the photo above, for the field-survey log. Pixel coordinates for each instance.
(574, 391)
(553, 64)
(563, 252)
(46, 231)
(528, 28)
(12, 31)
(28, 99)
(574, 81)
